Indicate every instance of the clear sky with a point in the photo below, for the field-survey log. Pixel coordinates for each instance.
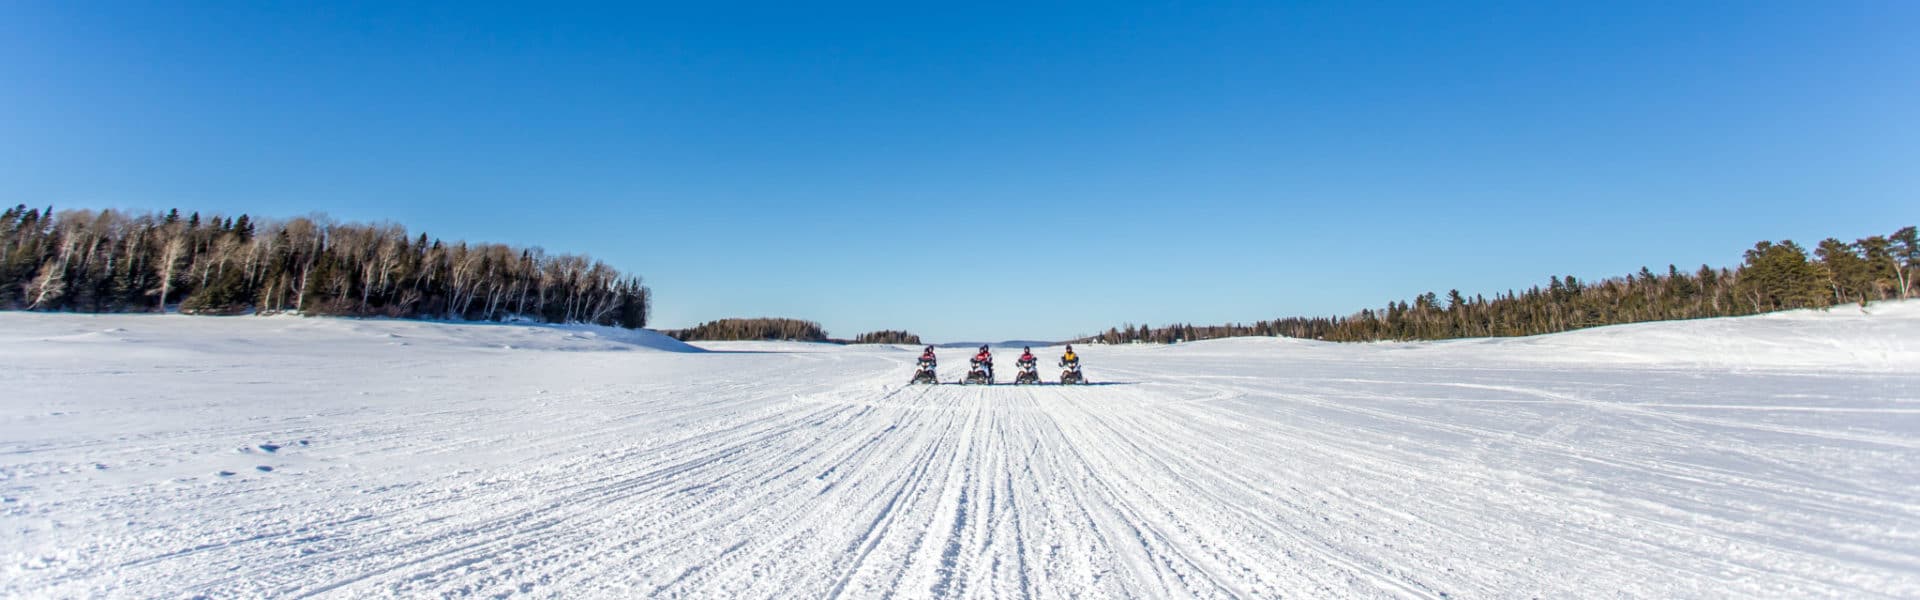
(987, 171)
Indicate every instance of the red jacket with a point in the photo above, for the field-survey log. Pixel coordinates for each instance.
(983, 357)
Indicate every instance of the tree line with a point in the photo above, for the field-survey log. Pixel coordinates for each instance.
(1772, 277)
(112, 261)
(780, 329)
(887, 337)
(751, 329)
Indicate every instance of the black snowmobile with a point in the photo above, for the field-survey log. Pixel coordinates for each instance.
(1029, 372)
(924, 373)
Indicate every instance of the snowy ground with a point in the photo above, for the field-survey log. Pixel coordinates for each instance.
(1776, 456)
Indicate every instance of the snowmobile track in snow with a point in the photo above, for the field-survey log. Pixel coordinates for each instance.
(1237, 469)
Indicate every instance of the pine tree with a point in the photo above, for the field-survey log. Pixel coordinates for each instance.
(1845, 273)
(1906, 250)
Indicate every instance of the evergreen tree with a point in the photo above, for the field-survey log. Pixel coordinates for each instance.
(1845, 272)
(1906, 250)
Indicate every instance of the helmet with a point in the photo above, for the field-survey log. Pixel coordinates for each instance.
(1026, 348)
(983, 347)
(1069, 347)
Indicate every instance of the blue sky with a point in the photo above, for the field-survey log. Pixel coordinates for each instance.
(996, 170)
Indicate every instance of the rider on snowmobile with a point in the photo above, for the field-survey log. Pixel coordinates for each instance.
(984, 358)
(1069, 358)
(1026, 357)
(926, 356)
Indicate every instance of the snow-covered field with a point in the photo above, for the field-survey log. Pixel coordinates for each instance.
(168, 456)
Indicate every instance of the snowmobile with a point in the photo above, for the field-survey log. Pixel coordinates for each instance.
(981, 373)
(1029, 373)
(924, 373)
(1071, 373)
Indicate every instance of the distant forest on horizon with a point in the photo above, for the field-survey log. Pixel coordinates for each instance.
(779, 329)
(1773, 277)
(114, 261)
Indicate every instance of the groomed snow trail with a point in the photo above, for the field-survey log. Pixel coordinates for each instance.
(413, 459)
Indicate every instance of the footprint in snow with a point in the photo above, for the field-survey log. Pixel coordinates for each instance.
(264, 469)
(270, 447)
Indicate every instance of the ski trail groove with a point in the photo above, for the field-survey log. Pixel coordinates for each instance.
(1233, 470)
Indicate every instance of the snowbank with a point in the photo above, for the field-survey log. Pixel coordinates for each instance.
(286, 333)
(1880, 338)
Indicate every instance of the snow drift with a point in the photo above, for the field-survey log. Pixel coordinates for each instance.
(1883, 337)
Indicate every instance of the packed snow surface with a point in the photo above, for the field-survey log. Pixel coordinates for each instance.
(169, 456)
